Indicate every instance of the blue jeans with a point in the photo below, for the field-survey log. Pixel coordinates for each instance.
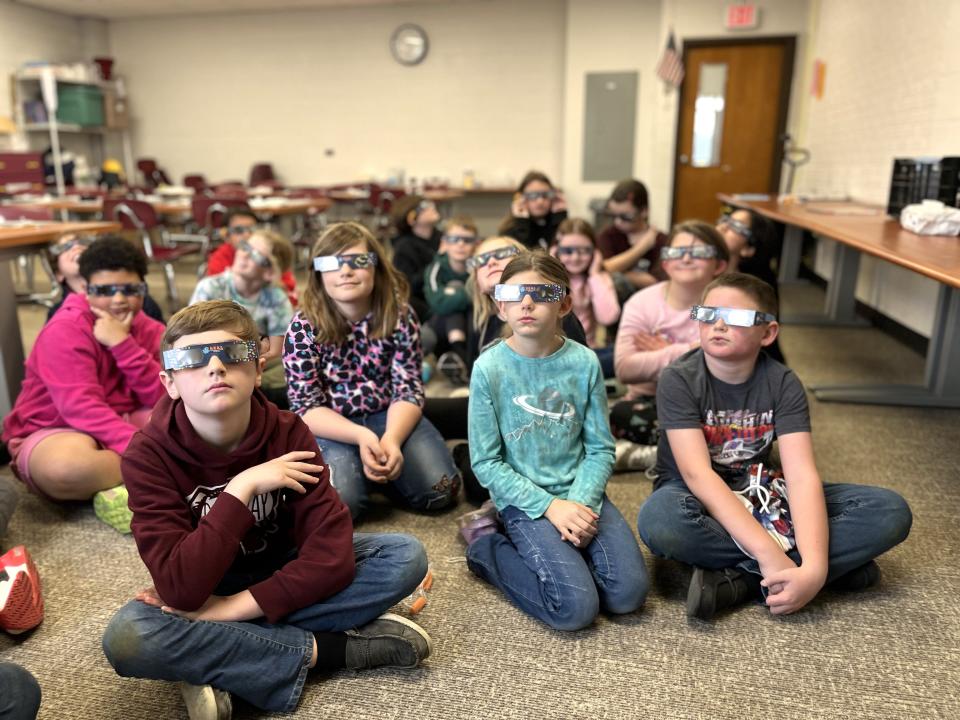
(429, 479)
(864, 522)
(19, 693)
(557, 583)
(262, 663)
(605, 356)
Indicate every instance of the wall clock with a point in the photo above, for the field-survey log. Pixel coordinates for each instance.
(409, 44)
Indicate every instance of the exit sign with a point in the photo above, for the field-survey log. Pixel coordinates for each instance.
(742, 17)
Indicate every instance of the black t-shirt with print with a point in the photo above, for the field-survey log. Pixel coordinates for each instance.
(739, 422)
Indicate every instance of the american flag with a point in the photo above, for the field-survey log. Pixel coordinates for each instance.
(670, 67)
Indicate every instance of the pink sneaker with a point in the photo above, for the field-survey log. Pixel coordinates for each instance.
(21, 604)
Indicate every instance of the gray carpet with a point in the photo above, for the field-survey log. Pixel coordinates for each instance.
(891, 652)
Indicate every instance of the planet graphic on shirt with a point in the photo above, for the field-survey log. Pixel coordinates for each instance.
(548, 404)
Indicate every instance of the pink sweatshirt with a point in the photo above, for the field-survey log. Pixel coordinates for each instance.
(594, 302)
(647, 312)
(74, 381)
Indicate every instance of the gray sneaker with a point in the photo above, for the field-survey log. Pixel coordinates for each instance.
(453, 367)
(205, 702)
(388, 641)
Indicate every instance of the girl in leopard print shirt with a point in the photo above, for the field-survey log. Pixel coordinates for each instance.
(352, 358)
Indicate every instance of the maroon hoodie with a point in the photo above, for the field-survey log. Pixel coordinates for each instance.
(190, 533)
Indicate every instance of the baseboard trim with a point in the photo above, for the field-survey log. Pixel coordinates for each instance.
(911, 338)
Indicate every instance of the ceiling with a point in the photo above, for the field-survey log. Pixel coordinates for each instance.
(116, 9)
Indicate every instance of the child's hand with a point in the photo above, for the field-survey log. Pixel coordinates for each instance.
(108, 330)
(577, 523)
(150, 597)
(394, 461)
(644, 240)
(645, 342)
(287, 471)
(596, 265)
(778, 562)
(791, 589)
(518, 207)
(373, 457)
(559, 203)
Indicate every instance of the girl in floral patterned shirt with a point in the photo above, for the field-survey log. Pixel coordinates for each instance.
(352, 359)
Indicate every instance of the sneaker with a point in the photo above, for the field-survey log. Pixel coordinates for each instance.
(630, 456)
(388, 641)
(21, 601)
(111, 507)
(477, 523)
(205, 702)
(714, 590)
(454, 368)
(857, 579)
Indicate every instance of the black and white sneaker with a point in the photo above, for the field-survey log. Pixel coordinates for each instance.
(388, 641)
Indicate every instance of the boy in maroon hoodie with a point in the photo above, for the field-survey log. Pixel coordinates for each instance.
(239, 525)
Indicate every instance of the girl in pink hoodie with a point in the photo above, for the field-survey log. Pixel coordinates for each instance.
(91, 380)
(591, 287)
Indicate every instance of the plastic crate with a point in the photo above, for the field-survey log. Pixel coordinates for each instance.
(80, 105)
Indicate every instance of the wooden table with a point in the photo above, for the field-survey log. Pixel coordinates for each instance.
(15, 241)
(936, 257)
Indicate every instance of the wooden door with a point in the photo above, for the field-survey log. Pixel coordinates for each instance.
(733, 112)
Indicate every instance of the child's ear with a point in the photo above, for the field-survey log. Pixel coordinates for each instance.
(261, 364)
(412, 217)
(721, 268)
(166, 379)
(566, 305)
(500, 311)
(770, 334)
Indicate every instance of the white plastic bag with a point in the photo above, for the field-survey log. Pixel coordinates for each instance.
(931, 217)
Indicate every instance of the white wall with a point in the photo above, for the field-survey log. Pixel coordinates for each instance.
(608, 36)
(891, 91)
(215, 94)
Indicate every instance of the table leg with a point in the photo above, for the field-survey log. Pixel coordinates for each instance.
(941, 386)
(11, 343)
(840, 307)
(790, 254)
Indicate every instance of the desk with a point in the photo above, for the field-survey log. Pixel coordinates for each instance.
(15, 241)
(933, 256)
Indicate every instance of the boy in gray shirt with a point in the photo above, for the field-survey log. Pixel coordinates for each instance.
(718, 506)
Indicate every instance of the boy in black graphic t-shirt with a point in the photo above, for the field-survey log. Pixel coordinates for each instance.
(719, 507)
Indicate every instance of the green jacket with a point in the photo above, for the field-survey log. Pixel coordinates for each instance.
(444, 289)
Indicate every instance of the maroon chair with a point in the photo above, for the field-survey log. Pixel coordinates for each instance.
(262, 174)
(140, 216)
(14, 213)
(197, 182)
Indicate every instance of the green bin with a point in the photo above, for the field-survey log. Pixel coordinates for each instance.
(80, 105)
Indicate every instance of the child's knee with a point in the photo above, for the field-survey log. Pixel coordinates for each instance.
(440, 495)
(125, 639)
(575, 611)
(629, 596)
(896, 516)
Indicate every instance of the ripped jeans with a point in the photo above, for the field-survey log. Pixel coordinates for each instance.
(428, 481)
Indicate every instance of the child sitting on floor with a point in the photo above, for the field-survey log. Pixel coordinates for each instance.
(415, 246)
(591, 287)
(540, 442)
(444, 284)
(257, 573)
(238, 226)
(91, 381)
(655, 329)
(249, 283)
(717, 505)
(353, 362)
(537, 210)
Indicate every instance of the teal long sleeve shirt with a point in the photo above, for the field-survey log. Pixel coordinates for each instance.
(539, 428)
